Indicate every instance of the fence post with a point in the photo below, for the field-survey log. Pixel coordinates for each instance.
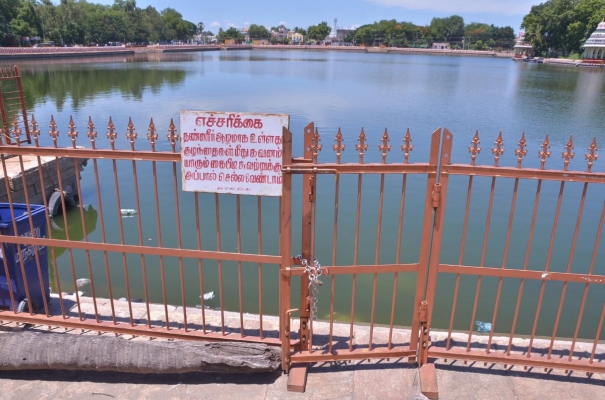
(425, 246)
(285, 286)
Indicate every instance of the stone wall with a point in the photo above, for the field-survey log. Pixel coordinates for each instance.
(36, 190)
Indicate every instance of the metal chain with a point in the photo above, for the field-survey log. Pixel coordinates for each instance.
(314, 273)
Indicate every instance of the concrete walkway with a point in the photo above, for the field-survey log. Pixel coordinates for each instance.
(352, 381)
(382, 379)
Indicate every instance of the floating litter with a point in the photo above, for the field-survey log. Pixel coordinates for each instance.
(483, 327)
(208, 296)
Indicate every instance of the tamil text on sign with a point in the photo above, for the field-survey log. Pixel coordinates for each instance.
(232, 153)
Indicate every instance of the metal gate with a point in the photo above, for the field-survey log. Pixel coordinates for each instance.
(445, 342)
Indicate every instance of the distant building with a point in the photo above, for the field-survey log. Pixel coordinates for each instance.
(594, 48)
(280, 34)
(341, 35)
(440, 46)
(295, 38)
(522, 49)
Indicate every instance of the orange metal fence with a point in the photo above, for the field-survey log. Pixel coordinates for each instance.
(154, 179)
(124, 252)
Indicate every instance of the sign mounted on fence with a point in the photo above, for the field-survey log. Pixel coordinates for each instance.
(232, 153)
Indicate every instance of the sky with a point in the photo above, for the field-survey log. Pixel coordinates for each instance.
(217, 14)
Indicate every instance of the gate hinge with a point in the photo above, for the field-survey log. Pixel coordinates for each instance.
(436, 195)
(422, 312)
(312, 194)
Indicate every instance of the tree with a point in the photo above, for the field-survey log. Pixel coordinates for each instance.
(103, 353)
(258, 32)
(319, 32)
(200, 28)
(8, 10)
(230, 34)
(561, 26)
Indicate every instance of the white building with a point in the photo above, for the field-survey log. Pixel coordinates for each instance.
(594, 48)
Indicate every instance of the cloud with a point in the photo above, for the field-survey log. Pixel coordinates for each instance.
(247, 23)
(215, 24)
(284, 23)
(231, 25)
(508, 7)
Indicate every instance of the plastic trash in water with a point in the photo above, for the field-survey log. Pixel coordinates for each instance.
(126, 212)
(208, 296)
(483, 327)
(82, 282)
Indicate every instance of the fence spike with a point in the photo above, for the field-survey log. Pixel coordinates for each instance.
(72, 132)
(16, 130)
(498, 150)
(111, 133)
(592, 154)
(92, 134)
(34, 130)
(54, 133)
(131, 135)
(151, 135)
(521, 151)
(361, 147)
(474, 148)
(172, 136)
(339, 147)
(407, 147)
(568, 154)
(544, 153)
(384, 147)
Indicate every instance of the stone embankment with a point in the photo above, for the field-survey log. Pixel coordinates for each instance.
(35, 189)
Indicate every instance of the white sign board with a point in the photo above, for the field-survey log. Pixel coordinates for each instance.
(232, 153)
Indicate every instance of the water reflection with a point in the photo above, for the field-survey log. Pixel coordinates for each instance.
(79, 83)
(74, 229)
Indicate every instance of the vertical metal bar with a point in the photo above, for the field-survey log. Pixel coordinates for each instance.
(569, 264)
(307, 200)
(4, 117)
(590, 271)
(397, 259)
(482, 262)
(525, 265)
(260, 265)
(54, 133)
(239, 264)
(285, 282)
(121, 228)
(339, 147)
(131, 135)
(92, 135)
(2, 247)
(460, 259)
(547, 267)
(220, 262)
(72, 133)
(429, 255)
(504, 258)
(384, 147)
(32, 231)
(179, 237)
(159, 224)
(199, 260)
(361, 148)
(23, 106)
(598, 335)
